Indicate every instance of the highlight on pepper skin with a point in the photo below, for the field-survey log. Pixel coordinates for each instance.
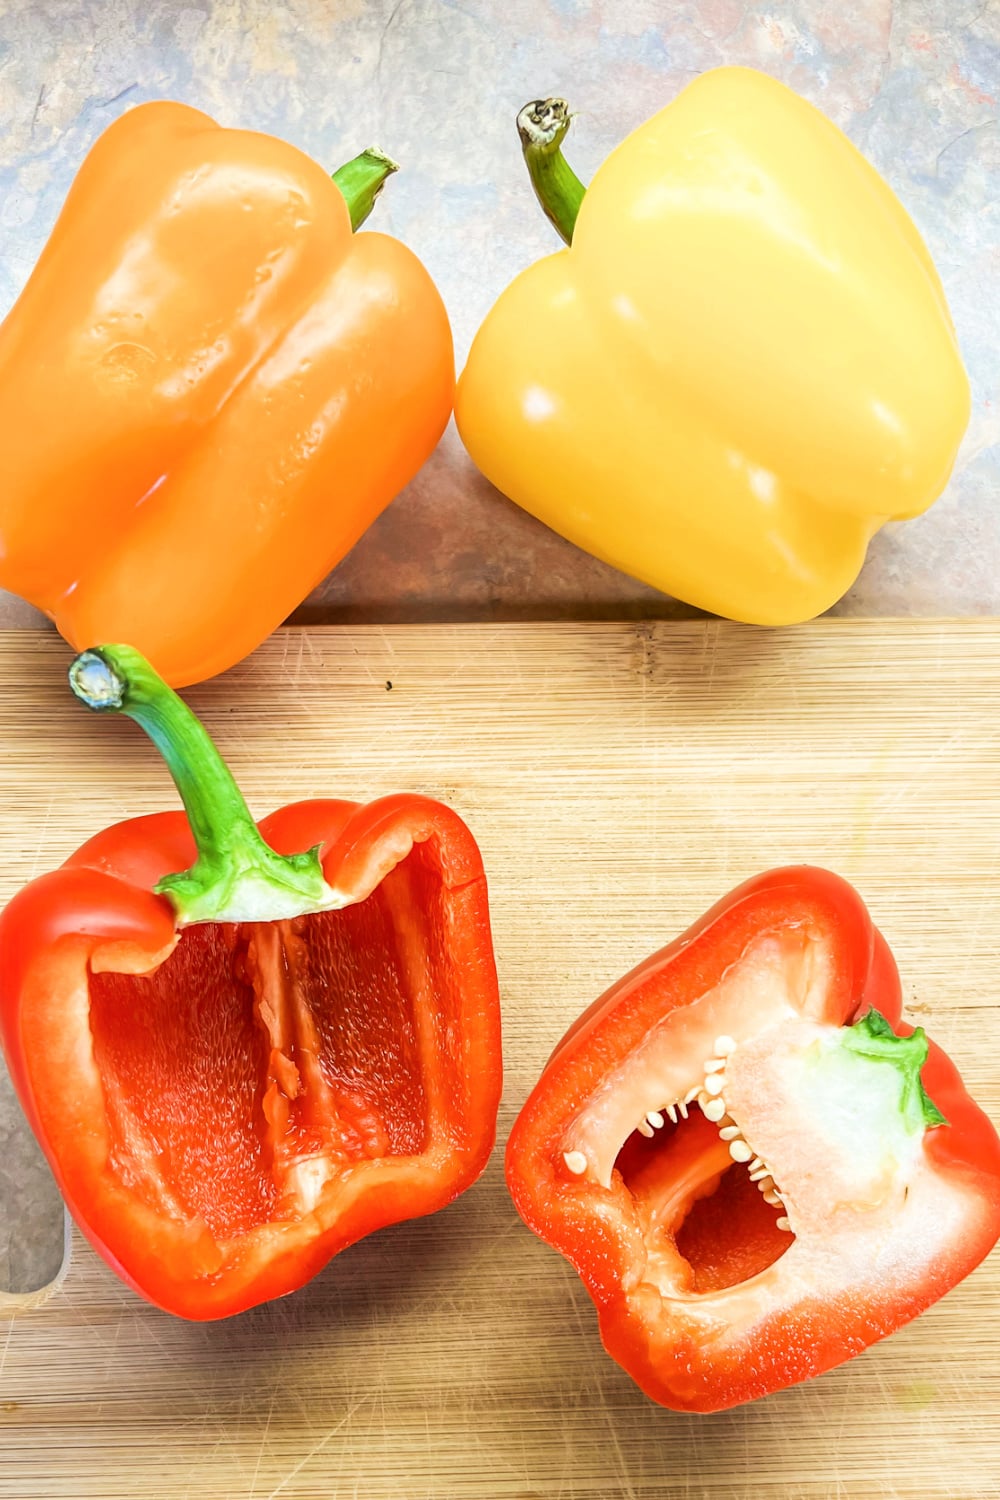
(755, 1166)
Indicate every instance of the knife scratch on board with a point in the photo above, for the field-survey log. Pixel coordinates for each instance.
(318, 1447)
(263, 1443)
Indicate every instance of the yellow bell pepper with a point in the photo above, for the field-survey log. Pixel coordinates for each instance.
(743, 366)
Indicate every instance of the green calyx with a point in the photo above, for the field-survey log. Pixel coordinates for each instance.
(542, 127)
(873, 1038)
(361, 180)
(237, 877)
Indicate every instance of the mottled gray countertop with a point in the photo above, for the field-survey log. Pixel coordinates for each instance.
(437, 83)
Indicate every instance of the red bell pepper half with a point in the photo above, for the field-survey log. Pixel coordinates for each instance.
(756, 1169)
(238, 1070)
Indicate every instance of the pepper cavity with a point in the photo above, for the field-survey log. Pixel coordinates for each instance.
(310, 1081)
(710, 1099)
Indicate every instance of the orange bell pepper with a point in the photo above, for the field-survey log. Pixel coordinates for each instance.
(209, 389)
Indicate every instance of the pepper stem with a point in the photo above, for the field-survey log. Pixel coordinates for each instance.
(237, 877)
(542, 126)
(874, 1038)
(361, 180)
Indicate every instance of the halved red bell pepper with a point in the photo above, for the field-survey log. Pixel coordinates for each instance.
(239, 1070)
(755, 1167)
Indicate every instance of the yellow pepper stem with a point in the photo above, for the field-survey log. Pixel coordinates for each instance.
(542, 126)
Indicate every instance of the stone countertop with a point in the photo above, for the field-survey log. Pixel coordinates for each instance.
(916, 85)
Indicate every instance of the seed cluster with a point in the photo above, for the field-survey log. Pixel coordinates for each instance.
(709, 1095)
(713, 1106)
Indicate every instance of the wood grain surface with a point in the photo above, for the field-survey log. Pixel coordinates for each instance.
(619, 778)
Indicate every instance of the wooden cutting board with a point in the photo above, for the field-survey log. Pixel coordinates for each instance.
(619, 778)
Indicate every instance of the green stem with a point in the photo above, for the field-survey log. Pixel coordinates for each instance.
(237, 877)
(874, 1038)
(542, 126)
(361, 181)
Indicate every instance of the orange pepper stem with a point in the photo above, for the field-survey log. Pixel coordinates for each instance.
(237, 877)
(542, 126)
(361, 180)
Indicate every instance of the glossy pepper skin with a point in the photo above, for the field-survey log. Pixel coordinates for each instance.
(227, 1103)
(833, 1182)
(741, 368)
(209, 389)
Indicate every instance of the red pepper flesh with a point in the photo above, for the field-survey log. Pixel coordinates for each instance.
(752, 1169)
